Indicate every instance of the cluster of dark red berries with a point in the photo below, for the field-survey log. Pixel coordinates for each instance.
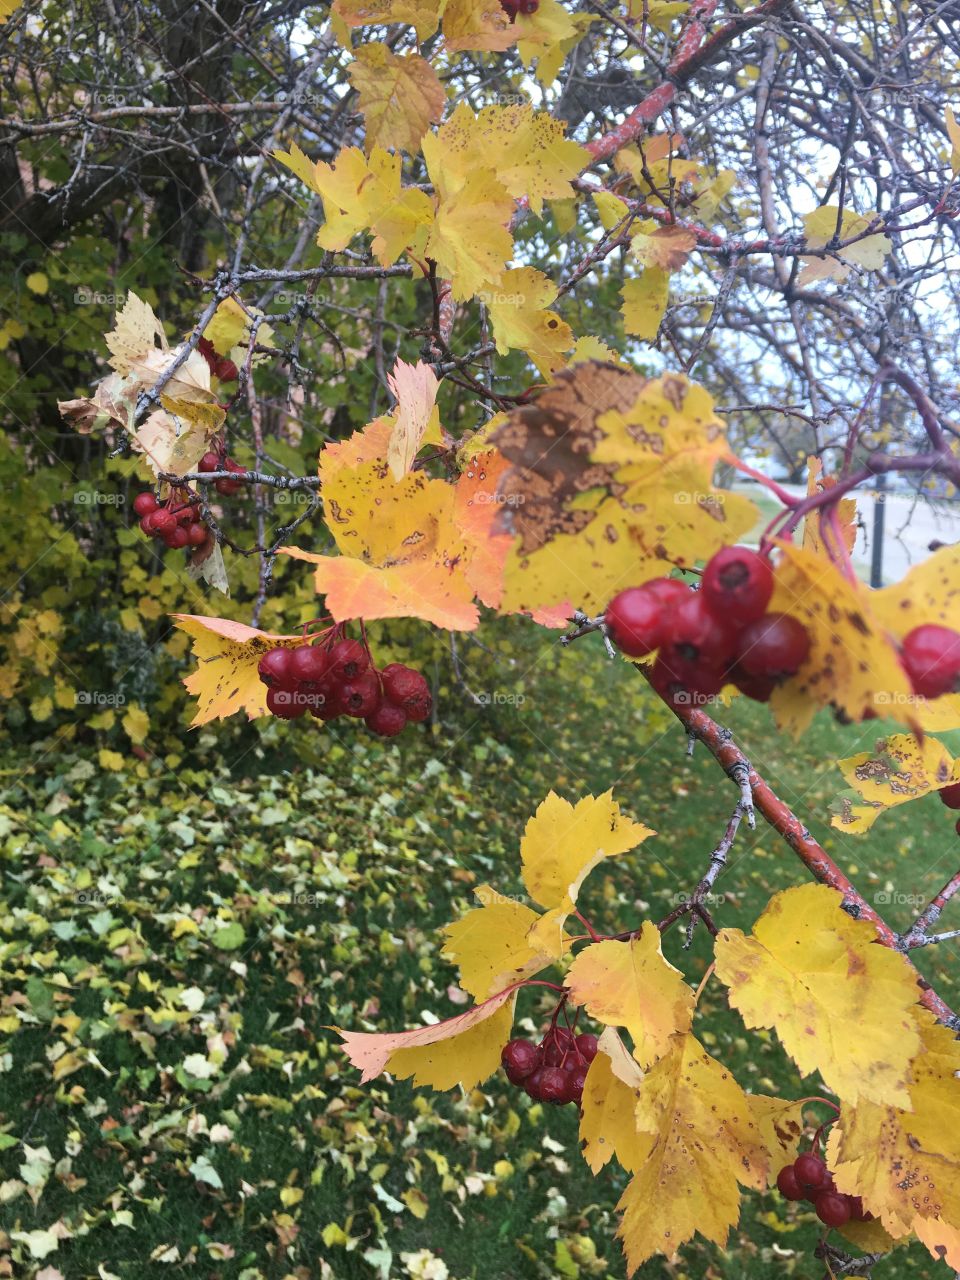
(220, 366)
(176, 522)
(512, 7)
(721, 634)
(212, 461)
(336, 677)
(553, 1070)
(808, 1178)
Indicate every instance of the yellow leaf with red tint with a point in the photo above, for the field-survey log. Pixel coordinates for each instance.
(608, 1127)
(400, 96)
(423, 15)
(698, 1140)
(900, 768)
(611, 482)
(475, 509)
(463, 1050)
(368, 445)
(470, 239)
(853, 663)
(841, 1003)
(416, 419)
(630, 984)
(845, 513)
(563, 842)
(491, 947)
(526, 150)
(664, 247)
(402, 555)
(227, 654)
(476, 24)
(905, 1160)
(518, 306)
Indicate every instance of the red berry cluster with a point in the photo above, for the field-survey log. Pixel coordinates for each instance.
(177, 522)
(512, 7)
(721, 634)
(808, 1178)
(220, 366)
(931, 658)
(336, 677)
(553, 1070)
(221, 462)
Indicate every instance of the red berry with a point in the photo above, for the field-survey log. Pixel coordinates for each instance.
(951, 795)
(146, 524)
(857, 1212)
(737, 585)
(788, 1185)
(309, 663)
(684, 683)
(931, 656)
(407, 688)
(178, 538)
(209, 462)
(275, 669)
(528, 6)
(557, 1044)
(360, 696)
(533, 1081)
(285, 703)
(759, 688)
(225, 370)
(811, 1171)
(519, 1058)
(206, 349)
(776, 646)
(144, 504)
(387, 720)
(196, 534)
(636, 621)
(347, 659)
(832, 1209)
(586, 1046)
(510, 8)
(553, 1085)
(323, 699)
(230, 465)
(162, 524)
(694, 634)
(576, 1079)
(667, 590)
(227, 487)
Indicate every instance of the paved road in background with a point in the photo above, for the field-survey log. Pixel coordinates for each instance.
(911, 524)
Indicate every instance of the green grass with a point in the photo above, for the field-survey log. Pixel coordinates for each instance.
(335, 859)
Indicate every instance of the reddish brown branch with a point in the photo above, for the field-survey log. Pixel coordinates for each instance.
(719, 742)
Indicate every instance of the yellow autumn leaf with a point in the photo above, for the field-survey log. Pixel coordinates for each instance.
(111, 760)
(607, 1125)
(518, 307)
(853, 663)
(423, 15)
(525, 148)
(563, 842)
(37, 282)
(644, 302)
(227, 654)
(490, 945)
(610, 209)
(136, 724)
(841, 1003)
(845, 510)
(476, 24)
(822, 225)
(953, 133)
(463, 1050)
(470, 239)
(611, 476)
(416, 419)
(905, 1160)
(698, 1140)
(629, 984)
(780, 1125)
(548, 35)
(360, 195)
(899, 769)
(664, 247)
(169, 445)
(402, 554)
(134, 334)
(41, 708)
(400, 96)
